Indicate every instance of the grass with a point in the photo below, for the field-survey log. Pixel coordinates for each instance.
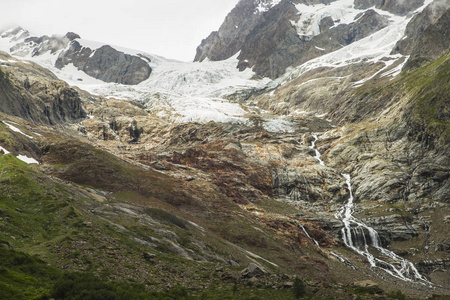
(430, 86)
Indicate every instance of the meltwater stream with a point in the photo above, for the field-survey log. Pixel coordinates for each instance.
(362, 239)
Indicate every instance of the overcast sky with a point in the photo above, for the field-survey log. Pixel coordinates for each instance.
(170, 28)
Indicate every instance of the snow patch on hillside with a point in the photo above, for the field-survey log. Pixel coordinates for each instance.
(28, 160)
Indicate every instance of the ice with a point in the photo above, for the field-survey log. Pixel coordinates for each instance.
(342, 12)
(184, 92)
(370, 49)
(278, 125)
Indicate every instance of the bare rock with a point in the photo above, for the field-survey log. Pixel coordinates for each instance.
(253, 270)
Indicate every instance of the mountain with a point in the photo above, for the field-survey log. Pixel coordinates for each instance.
(304, 153)
(102, 62)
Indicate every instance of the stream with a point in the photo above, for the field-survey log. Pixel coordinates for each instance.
(365, 240)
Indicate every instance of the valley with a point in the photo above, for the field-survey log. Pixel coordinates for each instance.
(286, 154)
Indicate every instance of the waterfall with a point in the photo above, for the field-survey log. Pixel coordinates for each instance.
(362, 239)
(313, 146)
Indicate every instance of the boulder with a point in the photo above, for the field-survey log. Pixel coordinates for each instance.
(365, 283)
(253, 270)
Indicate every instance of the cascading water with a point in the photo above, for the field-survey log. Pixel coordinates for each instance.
(318, 155)
(362, 239)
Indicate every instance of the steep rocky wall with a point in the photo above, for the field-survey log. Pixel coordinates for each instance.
(34, 94)
(230, 37)
(418, 24)
(274, 44)
(104, 63)
(432, 43)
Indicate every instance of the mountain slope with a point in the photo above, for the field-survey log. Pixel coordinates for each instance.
(336, 172)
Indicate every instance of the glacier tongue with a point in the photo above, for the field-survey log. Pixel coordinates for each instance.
(188, 92)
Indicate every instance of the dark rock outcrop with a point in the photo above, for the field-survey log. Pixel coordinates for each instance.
(253, 270)
(110, 65)
(269, 43)
(106, 64)
(75, 54)
(230, 37)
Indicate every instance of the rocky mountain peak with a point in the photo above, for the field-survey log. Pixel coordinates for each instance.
(281, 34)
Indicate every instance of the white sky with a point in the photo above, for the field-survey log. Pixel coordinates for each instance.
(169, 28)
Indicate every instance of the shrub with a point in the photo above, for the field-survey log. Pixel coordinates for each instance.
(299, 288)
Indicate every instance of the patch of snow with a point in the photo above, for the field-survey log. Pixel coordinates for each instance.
(265, 5)
(387, 64)
(15, 129)
(321, 49)
(28, 160)
(395, 71)
(4, 150)
(10, 61)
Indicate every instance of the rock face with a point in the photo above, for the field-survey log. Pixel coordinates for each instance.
(270, 42)
(35, 94)
(36, 46)
(106, 64)
(418, 24)
(275, 44)
(253, 270)
(110, 65)
(433, 42)
(228, 40)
